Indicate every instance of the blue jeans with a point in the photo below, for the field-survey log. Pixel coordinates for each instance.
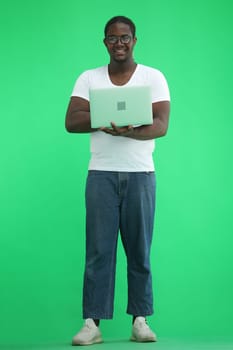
(118, 202)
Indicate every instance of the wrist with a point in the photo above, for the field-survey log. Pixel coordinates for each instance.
(130, 132)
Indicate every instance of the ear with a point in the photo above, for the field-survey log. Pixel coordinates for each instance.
(104, 41)
(135, 40)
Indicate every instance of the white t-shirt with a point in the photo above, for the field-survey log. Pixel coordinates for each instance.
(118, 153)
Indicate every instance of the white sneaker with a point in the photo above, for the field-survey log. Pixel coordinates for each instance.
(141, 332)
(89, 334)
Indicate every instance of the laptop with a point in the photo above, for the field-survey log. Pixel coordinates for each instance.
(121, 105)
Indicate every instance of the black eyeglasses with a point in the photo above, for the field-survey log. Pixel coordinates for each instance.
(113, 39)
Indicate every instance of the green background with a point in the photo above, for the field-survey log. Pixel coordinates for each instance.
(45, 45)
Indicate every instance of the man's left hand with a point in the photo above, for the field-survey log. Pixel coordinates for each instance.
(118, 131)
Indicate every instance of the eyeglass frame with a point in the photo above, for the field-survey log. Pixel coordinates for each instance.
(116, 38)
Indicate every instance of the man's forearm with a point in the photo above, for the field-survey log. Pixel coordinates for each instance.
(148, 132)
(79, 122)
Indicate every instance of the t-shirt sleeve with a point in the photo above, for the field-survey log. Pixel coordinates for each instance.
(81, 86)
(160, 89)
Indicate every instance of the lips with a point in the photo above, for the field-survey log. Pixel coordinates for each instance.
(119, 52)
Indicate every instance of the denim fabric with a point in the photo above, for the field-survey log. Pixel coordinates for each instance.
(118, 202)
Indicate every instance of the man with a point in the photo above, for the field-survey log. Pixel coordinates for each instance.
(120, 188)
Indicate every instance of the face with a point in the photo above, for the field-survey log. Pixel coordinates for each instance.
(121, 50)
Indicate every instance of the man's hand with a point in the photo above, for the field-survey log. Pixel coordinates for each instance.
(118, 131)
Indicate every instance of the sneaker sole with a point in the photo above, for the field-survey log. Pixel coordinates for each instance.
(95, 341)
(146, 340)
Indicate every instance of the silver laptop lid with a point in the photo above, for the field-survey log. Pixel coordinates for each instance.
(121, 105)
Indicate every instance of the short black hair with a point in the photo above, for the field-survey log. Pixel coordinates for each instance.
(120, 19)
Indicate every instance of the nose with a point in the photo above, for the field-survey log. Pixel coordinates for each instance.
(119, 42)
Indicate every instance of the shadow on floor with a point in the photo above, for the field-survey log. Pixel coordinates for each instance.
(125, 344)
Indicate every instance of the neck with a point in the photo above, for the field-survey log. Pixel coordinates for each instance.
(121, 67)
(120, 74)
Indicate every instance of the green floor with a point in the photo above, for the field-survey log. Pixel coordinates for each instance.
(124, 344)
